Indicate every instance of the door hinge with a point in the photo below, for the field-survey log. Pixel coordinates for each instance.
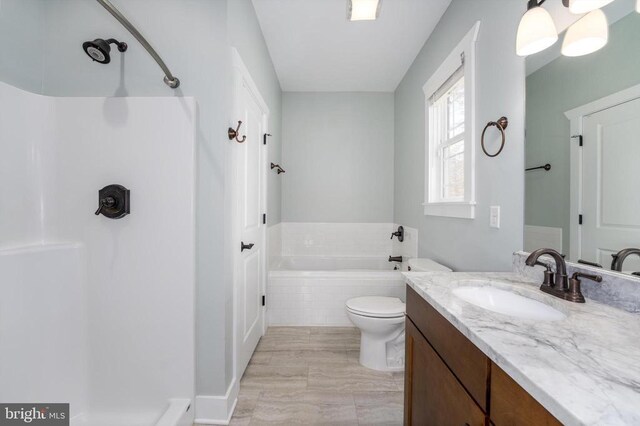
(579, 219)
(264, 138)
(264, 218)
(580, 139)
(264, 300)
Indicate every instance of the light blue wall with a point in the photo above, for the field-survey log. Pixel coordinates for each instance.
(194, 38)
(21, 35)
(560, 86)
(467, 244)
(338, 154)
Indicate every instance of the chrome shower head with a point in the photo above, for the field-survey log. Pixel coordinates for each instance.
(99, 49)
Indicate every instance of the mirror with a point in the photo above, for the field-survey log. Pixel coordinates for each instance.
(584, 200)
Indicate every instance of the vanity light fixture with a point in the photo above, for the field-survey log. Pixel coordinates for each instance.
(536, 31)
(587, 35)
(584, 6)
(363, 10)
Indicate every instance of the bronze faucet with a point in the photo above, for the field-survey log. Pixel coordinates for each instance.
(557, 284)
(618, 258)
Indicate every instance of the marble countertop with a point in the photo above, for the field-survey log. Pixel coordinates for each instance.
(584, 369)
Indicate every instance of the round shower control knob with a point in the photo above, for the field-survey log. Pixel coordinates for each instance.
(113, 202)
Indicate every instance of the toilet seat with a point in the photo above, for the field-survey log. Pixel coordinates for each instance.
(376, 307)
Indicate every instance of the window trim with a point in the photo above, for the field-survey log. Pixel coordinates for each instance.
(464, 209)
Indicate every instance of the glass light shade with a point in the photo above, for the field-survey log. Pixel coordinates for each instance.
(638, 6)
(536, 32)
(585, 6)
(363, 10)
(587, 35)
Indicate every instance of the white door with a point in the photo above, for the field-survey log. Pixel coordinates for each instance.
(250, 234)
(610, 177)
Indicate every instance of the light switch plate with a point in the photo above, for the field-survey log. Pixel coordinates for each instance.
(494, 217)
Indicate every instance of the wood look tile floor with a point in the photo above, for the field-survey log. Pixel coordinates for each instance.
(311, 376)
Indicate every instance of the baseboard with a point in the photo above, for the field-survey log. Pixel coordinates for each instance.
(217, 410)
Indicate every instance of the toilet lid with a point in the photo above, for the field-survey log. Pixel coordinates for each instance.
(377, 306)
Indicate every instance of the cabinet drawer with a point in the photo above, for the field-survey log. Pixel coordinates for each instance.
(433, 395)
(467, 362)
(513, 406)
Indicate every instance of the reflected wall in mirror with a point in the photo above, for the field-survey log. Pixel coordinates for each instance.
(587, 205)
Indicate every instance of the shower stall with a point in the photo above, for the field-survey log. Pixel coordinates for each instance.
(95, 311)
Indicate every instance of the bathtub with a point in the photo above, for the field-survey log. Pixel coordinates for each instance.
(312, 291)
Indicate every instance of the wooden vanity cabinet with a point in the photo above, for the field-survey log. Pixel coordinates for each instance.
(434, 396)
(449, 381)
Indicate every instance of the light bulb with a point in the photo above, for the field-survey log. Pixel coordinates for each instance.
(536, 32)
(584, 6)
(587, 35)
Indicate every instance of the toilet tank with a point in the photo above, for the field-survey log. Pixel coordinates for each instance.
(426, 265)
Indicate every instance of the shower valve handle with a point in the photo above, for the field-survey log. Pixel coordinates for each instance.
(105, 202)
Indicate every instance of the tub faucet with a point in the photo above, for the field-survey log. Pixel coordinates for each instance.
(399, 233)
(618, 258)
(395, 259)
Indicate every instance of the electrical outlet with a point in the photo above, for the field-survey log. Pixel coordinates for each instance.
(494, 217)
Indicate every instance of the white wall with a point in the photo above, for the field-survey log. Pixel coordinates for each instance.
(338, 155)
(458, 243)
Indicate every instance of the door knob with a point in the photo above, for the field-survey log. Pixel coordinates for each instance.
(244, 246)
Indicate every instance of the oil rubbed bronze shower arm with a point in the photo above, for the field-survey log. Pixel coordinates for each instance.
(169, 79)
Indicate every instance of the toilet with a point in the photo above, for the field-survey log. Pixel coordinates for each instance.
(381, 323)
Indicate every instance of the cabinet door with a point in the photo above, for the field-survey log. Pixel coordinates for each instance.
(513, 406)
(433, 396)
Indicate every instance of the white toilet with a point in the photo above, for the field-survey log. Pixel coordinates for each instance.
(381, 323)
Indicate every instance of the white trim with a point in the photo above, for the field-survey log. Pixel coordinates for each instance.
(217, 410)
(576, 117)
(460, 210)
(464, 209)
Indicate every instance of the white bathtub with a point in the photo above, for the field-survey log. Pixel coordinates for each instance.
(312, 291)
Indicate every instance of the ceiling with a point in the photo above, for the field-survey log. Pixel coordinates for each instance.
(315, 48)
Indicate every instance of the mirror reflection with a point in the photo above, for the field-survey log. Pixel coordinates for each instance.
(583, 149)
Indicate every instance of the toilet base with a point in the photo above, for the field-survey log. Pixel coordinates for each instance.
(382, 352)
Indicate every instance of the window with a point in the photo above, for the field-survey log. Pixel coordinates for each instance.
(449, 93)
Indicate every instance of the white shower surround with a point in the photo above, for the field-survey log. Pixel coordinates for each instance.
(98, 312)
(316, 267)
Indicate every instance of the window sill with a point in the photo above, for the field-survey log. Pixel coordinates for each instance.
(460, 210)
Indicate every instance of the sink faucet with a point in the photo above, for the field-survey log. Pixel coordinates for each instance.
(618, 258)
(557, 284)
(561, 281)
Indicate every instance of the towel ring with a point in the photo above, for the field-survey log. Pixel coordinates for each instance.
(501, 124)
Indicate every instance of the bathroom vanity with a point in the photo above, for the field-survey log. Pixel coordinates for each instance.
(446, 374)
(469, 365)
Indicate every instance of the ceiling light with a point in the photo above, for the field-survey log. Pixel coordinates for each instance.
(587, 35)
(584, 6)
(363, 10)
(536, 31)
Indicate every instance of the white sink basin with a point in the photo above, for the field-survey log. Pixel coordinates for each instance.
(508, 303)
